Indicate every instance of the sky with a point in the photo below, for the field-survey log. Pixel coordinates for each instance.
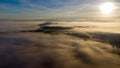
(50, 9)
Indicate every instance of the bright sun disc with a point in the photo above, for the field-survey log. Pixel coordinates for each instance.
(107, 8)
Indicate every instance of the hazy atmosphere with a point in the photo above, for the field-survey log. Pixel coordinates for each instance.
(50, 9)
(59, 34)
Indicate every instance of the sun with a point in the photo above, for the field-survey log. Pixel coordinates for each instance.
(107, 8)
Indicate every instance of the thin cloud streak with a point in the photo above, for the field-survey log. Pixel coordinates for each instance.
(30, 9)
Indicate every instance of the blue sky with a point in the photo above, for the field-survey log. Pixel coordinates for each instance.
(38, 9)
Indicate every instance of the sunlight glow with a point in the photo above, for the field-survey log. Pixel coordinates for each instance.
(107, 8)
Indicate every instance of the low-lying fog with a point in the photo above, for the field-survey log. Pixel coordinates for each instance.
(41, 44)
(111, 27)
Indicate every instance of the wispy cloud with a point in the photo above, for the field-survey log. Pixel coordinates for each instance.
(50, 8)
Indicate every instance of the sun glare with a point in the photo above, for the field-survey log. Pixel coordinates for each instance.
(107, 8)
